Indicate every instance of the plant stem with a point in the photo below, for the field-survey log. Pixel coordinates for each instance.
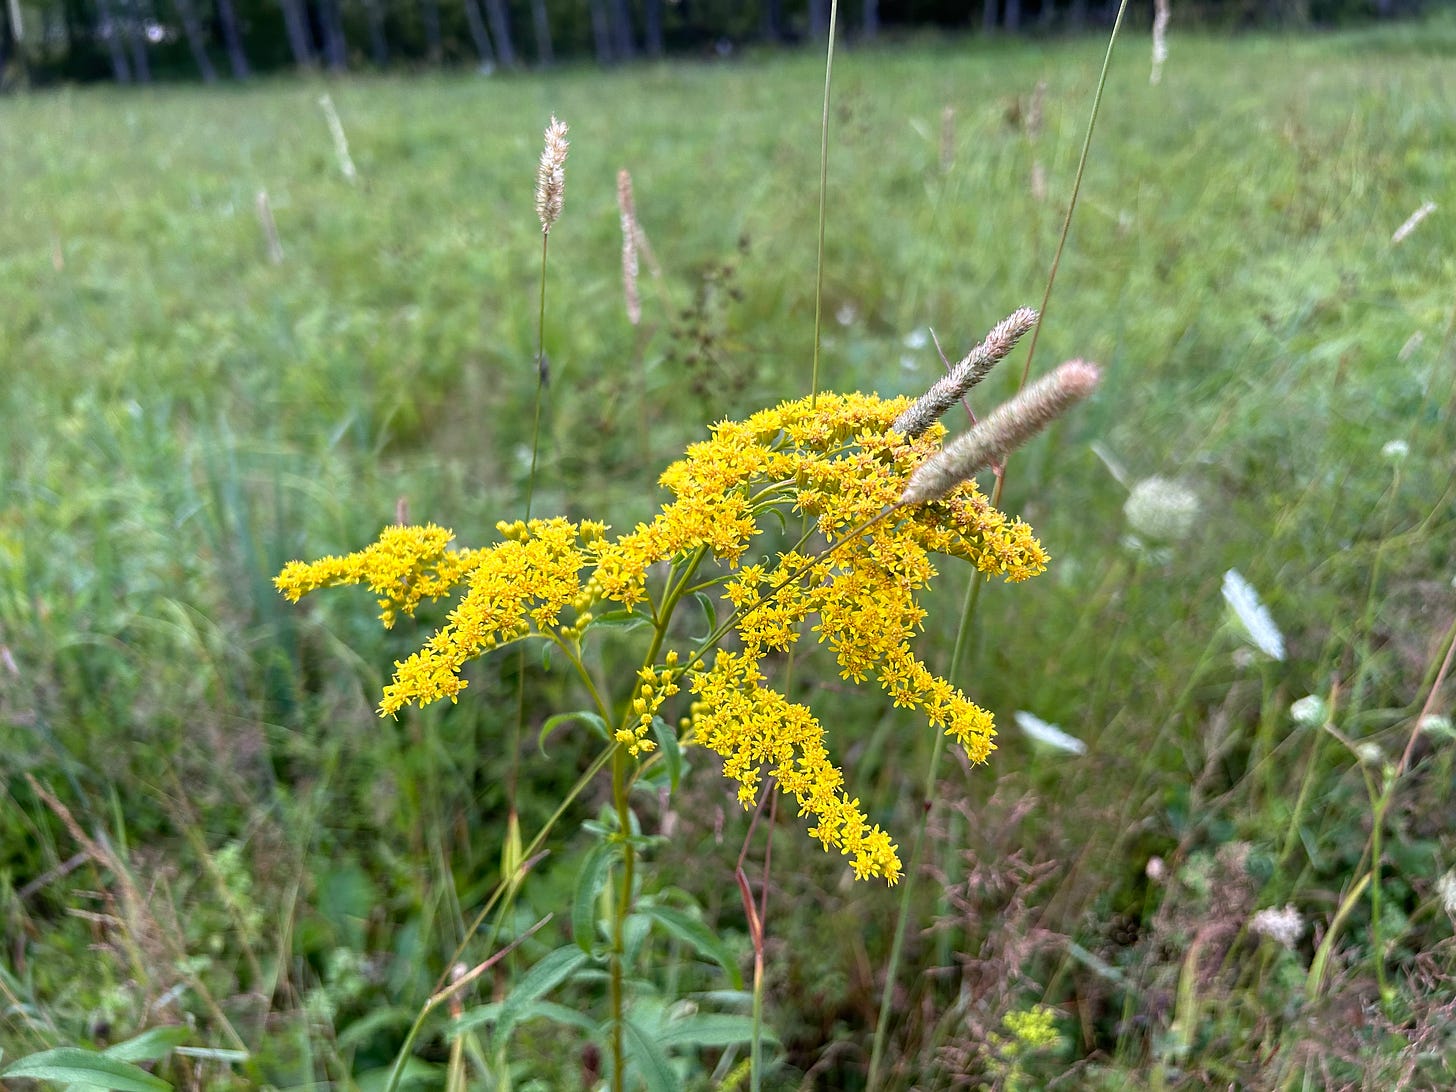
(973, 595)
(823, 202)
(623, 907)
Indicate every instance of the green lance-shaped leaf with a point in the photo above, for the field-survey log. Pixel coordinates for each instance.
(73, 1065)
(583, 902)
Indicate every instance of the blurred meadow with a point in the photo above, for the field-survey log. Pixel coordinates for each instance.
(207, 828)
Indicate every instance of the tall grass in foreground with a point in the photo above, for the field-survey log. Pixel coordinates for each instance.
(1177, 888)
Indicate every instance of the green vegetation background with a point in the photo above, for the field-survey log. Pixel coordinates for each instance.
(182, 415)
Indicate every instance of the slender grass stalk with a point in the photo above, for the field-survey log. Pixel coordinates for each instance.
(973, 593)
(823, 201)
(449, 985)
(550, 185)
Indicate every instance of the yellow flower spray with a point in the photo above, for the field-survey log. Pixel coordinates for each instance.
(836, 460)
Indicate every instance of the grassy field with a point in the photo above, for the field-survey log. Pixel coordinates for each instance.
(207, 828)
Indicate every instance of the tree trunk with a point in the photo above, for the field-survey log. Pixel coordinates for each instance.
(543, 32)
(7, 38)
(500, 30)
(622, 38)
(378, 42)
(988, 17)
(135, 22)
(601, 32)
(871, 26)
(818, 19)
(771, 20)
(1013, 16)
(111, 31)
(431, 15)
(336, 49)
(478, 34)
(1077, 14)
(195, 41)
(654, 28)
(297, 28)
(232, 39)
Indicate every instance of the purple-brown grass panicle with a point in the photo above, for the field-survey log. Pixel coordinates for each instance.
(973, 368)
(1006, 429)
(628, 208)
(551, 175)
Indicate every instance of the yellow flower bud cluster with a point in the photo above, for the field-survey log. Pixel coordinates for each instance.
(653, 688)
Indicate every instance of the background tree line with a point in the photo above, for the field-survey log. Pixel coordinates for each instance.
(136, 41)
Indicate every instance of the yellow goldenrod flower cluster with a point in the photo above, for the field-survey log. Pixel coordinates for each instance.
(653, 688)
(837, 460)
(406, 565)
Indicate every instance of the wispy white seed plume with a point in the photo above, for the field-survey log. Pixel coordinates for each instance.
(1160, 40)
(973, 368)
(1310, 711)
(551, 175)
(1411, 222)
(1007, 428)
(341, 142)
(628, 208)
(1161, 510)
(1253, 616)
(1446, 890)
(1049, 734)
(1284, 927)
(270, 228)
(1395, 451)
(1035, 110)
(1436, 725)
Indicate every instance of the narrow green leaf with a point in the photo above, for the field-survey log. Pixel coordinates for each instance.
(651, 1062)
(698, 936)
(548, 973)
(619, 619)
(671, 752)
(710, 1029)
(594, 722)
(562, 1014)
(710, 609)
(149, 1046)
(472, 1018)
(416, 1072)
(360, 1031)
(583, 902)
(72, 1065)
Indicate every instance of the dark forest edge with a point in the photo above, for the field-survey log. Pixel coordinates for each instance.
(45, 42)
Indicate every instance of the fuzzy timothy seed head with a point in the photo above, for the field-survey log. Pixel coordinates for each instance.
(1007, 428)
(551, 175)
(973, 368)
(628, 209)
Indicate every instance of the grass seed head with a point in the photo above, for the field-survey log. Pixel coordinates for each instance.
(551, 175)
(1006, 429)
(630, 232)
(973, 368)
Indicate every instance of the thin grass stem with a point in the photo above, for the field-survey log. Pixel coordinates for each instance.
(823, 201)
(973, 592)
